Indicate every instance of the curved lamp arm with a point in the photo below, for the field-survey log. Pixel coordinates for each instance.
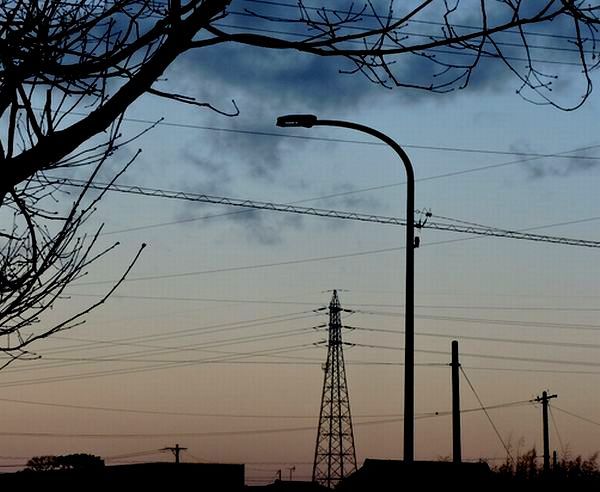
(310, 120)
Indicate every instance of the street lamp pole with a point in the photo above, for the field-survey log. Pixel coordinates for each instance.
(308, 121)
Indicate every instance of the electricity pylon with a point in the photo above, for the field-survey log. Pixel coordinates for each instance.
(335, 456)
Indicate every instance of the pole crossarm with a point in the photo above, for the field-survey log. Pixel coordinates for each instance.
(480, 230)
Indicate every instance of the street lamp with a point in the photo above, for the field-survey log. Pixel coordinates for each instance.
(308, 121)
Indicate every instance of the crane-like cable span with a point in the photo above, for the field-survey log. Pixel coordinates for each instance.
(456, 226)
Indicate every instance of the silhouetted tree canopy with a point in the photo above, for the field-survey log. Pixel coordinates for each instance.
(70, 69)
(79, 461)
(529, 466)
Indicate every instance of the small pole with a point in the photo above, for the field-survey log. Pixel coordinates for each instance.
(291, 469)
(544, 399)
(176, 451)
(456, 438)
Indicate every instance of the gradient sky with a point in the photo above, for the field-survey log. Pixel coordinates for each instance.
(216, 319)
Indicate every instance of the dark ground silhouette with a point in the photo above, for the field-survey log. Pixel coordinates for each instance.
(524, 473)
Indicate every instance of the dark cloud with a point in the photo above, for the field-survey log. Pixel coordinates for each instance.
(267, 228)
(542, 168)
(275, 79)
(540, 62)
(294, 81)
(343, 198)
(266, 83)
(208, 175)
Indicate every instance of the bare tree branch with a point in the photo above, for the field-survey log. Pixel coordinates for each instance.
(70, 69)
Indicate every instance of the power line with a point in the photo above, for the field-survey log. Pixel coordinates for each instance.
(262, 353)
(406, 33)
(376, 16)
(227, 433)
(487, 414)
(413, 21)
(173, 413)
(285, 349)
(473, 229)
(249, 267)
(271, 353)
(131, 341)
(506, 322)
(167, 365)
(135, 454)
(584, 419)
(380, 187)
(258, 266)
(449, 50)
(237, 212)
(469, 307)
(486, 356)
(282, 350)
(238, 325)
(147, 368)
(465, 150)
(555, 425)
(484, 339)
(198, 460)
(531, 370)
(315, 363)
(214, 328)
(134, 356)
(203, 299)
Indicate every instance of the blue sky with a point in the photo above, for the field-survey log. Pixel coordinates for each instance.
(477, 288)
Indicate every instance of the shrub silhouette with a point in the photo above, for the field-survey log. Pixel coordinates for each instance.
(529, 466)
(78, 461)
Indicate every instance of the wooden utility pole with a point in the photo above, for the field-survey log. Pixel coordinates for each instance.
(176, 451)
(544, 399)
(456, 440)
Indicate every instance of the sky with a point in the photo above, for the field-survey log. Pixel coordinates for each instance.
(213, 341)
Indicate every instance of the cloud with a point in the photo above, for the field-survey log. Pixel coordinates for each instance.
(343, 198)
(543, 168)
(208, 175)
(268, 82)
(265, 227)
(273, 78)
(540, 61)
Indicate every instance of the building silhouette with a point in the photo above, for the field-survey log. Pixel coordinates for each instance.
(131, 478)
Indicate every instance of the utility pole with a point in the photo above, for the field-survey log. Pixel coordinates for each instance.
(456, 440)
(176, 451)
(544, 399)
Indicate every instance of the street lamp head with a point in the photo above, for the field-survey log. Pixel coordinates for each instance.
(297, 120)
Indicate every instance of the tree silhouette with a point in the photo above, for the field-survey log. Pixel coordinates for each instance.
(70, 69)
(78, 461)
(528, 467)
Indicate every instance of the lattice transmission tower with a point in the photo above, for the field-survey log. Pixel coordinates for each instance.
(335, 456)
